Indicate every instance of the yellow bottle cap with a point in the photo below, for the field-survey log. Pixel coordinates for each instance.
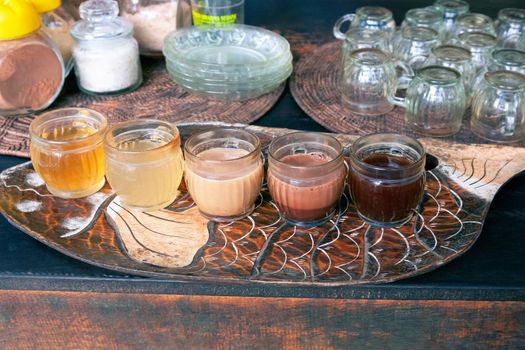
(18, 18)
(45, 5)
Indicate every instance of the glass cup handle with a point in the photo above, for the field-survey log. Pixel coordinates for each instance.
(406, 78)
(397, 101)
(337, 26)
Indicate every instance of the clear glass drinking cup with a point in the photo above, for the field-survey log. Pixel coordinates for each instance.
(498, 107)
(451, 9)
(367, 17)
(427, 17)
(67, 152)
(144, 163)
(455, 57)
(224, 172)
(508, 59)
(387, 178)
(474, 22)
(306, 176)
(368, 78)
(502, 59)
(480, 46)
(414, 44)
(510, 25)
(360, 38)
(435, 101)
(217, 12)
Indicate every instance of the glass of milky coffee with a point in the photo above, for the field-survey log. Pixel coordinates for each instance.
(224, 172)
(306, 176)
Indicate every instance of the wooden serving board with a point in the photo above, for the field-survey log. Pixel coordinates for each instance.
(178, 243)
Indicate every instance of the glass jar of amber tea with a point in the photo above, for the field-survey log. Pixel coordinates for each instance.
(144, 163)
(387, 178)
(67, 151)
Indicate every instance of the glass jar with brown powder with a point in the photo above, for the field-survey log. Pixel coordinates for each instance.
(31, 66)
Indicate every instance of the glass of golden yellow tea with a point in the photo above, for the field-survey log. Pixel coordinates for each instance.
(67, 151)
(144, 163)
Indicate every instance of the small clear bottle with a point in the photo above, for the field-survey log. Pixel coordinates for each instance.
(106, 56)
(153, 20)
(510, 25)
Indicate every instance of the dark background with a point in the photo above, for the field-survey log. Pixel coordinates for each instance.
(492, 269)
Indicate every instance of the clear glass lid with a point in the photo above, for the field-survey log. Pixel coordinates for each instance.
(100, 21)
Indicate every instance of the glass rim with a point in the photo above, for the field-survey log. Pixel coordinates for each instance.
(452, 5)
(171, 53)
(507, 14)
(425, 30)
(92, 114)
(463, 37)
(421, 159)
(171, 126)
(426, 10)
(354, 55)
(454, 47)
(506, 87)
(496, 53)
(422, 70)
(374, 34)
(340, 152)
(466, 19)
(256, 144)
(387, 14)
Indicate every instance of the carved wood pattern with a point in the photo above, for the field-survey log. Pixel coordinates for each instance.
(178, 243)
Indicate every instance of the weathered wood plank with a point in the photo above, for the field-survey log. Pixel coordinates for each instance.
(106, 320)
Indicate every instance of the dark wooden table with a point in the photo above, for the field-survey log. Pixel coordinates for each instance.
(48, 300)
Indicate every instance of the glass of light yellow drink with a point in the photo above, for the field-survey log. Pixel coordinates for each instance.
(224, 172)
(67, 152)
(144, 163)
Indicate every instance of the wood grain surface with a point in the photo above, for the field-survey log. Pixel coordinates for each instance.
(263, 248)
(315, 86)
(158, 98)
(145, 321)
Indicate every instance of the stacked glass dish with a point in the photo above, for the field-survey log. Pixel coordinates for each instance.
(235, 62)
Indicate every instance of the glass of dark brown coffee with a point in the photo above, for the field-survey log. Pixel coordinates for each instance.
(387, 178)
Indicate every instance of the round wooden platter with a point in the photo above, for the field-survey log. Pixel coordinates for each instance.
(315, 86)
(159, 97)
(178, 243)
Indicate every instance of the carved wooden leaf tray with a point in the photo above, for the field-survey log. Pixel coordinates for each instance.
(178, 243)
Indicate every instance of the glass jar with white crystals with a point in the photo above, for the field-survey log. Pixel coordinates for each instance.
(106, 56)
